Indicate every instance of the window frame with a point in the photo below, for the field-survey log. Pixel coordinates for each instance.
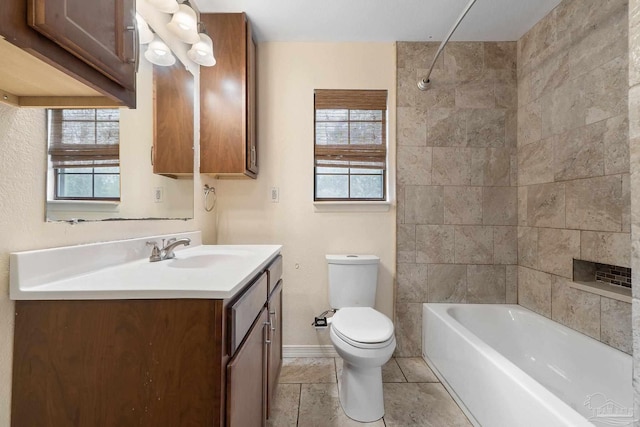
(354, 100)
(93, 174)
(58, 148)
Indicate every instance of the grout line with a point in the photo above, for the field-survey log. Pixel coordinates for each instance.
(401, 371)
(299, 404)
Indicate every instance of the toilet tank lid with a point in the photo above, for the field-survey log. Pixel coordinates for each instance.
(352, 259)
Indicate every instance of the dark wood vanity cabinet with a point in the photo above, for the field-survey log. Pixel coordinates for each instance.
(228, 143)
(68, 53)
(163, 362)
(251, 383)
(246, 377)
(172, 151)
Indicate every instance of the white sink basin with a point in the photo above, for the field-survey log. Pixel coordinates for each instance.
(197, 259)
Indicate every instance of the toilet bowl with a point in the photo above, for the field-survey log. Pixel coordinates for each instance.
(364, 339)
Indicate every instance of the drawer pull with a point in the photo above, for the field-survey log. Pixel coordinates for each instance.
(274, 321)
(267, 338)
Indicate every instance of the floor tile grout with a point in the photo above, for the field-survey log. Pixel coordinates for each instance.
(314, 379)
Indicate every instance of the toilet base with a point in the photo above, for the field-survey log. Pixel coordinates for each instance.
(360, 391)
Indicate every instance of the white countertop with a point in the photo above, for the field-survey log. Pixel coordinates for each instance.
(203, 271)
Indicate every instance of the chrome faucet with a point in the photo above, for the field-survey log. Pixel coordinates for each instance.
(167, 251)
(158, 254)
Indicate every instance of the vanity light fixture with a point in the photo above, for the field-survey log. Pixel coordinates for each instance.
(202, 52)
(158, 53)
(145, 35)
(184, 24)
(166, 6)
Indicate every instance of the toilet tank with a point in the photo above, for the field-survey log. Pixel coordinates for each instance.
(352, 280)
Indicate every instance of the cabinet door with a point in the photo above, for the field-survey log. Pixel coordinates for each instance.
(101, 33)
(275, 347)
(172, 121)
(252, 143)
(227, 99)
(246, 380)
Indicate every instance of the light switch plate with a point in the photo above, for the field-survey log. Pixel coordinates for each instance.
(158, 194)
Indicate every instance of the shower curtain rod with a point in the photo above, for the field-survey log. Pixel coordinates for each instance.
(424, 82)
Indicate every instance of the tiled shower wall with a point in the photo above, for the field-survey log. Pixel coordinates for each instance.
(473, 145)
(634, 144)
(573, 163)
(456, 180)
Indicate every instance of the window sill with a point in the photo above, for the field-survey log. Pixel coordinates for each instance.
(83, 205)
(352, 206)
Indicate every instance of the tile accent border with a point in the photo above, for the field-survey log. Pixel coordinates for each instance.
(589, 272)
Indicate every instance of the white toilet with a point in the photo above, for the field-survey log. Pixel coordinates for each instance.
(362, 336)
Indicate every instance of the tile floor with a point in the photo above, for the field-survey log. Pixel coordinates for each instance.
(307, 396)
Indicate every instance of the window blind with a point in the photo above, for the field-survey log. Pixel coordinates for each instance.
(350, 129)
(84, 138)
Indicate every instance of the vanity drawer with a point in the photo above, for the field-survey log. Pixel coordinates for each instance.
(245, 309)
(275, 273)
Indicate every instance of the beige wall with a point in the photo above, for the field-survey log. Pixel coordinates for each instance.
(288, 73)
(22, 225)
(573, 163)
(456, 180)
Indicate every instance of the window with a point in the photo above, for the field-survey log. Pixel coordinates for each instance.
(84, 153)
(350, 155)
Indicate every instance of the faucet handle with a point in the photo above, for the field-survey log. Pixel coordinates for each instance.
(170, 241)
(155, 251)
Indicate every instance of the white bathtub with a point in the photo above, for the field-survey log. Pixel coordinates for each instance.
(511, 367)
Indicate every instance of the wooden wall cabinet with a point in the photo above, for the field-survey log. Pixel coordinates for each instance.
(152, 363)
(228, 144)
(68, 53)
(172, 152)
(101, 33)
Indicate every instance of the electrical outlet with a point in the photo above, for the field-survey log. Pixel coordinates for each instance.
(275, 195)
(158, 194)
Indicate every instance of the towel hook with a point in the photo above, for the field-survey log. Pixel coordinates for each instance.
(208, 190)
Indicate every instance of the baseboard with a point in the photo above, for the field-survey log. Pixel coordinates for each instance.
(308, 351)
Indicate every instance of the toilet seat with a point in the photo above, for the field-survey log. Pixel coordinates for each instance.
(363, 327)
